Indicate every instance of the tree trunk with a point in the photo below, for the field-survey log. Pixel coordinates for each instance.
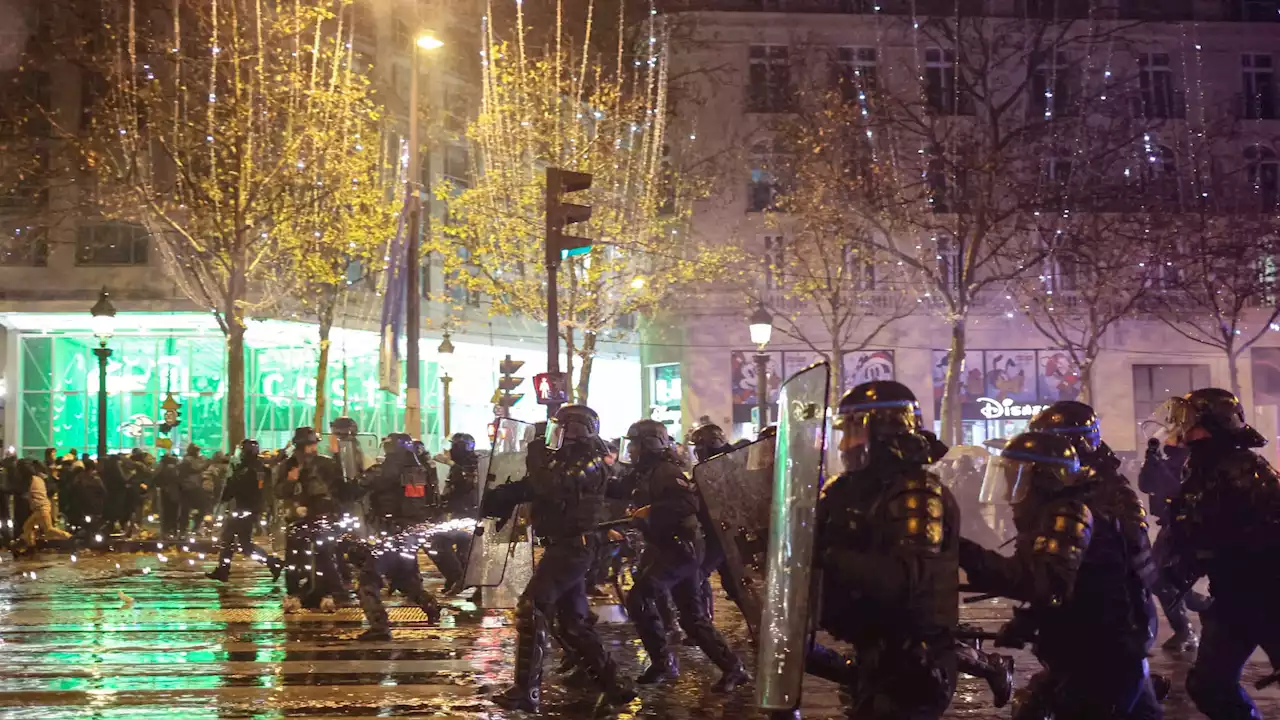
(952, 428)
(1233, 371)
(587, 354)
(837, 372)
(570, 348)
(235, 378)
(1086, 381)
(322, 371)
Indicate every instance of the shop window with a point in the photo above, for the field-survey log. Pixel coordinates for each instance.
(111, 244)
(769, 79)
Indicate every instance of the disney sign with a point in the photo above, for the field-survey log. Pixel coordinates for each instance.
(996, 409)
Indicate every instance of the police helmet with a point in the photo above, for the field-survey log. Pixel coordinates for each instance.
(463, 441)
(1075, 421)
(1215, 410)
(707, 440)
(249, 448)
(305, 436)
(646, 440)
(344, 426)
(572, 424)
(875, 413)
(1030, 461)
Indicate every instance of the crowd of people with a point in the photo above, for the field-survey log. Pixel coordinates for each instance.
(1048, 520)
(61, 497)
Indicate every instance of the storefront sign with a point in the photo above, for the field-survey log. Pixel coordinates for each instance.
(1007, 408)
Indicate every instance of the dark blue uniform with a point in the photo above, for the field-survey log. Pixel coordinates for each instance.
(1226, 525)
(448, 548)
(1088, 609)
(566, 490)
(889, 537)
(673, 563)
(245, 489)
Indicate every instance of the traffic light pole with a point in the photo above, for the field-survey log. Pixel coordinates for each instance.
(553, 316)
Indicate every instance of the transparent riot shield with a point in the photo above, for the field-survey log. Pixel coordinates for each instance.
(789, 592)
(736, 489)
(500, 560)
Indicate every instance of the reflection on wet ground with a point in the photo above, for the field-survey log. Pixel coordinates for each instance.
(151, 639)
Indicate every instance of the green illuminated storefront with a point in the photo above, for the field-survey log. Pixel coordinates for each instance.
(54, 402)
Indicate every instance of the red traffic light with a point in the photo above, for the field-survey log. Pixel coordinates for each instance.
(551, 388)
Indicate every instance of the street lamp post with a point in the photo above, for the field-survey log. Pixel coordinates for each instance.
(446, 357)
(104, 321)
(417, 218)
(761, 327)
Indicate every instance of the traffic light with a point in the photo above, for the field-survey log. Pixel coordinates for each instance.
(561, 213)
(503, 398)
(551, 388)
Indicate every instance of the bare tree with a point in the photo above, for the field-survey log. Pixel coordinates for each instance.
(957, 135)
(213, 116)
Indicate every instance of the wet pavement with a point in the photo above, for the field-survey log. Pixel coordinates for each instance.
(130, 636)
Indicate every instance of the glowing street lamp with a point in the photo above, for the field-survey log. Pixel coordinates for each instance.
(104, 324)
(418, 217)
(761, 327)
(445, 352)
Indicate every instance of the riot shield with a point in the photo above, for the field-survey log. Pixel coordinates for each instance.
(501, 553)
(789, 592)
(736, 489)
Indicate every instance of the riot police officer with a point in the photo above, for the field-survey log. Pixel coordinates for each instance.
(1161, 477)
(1075, 568)
(244, 488)
(888, 534)
(673, 557)
(567, 489)
(313, 573)
(1226, 525)
(708, 441)
(1112, 500)
(459, 501)
(401, 492)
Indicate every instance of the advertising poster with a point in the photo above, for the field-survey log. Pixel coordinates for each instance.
(867, 366)
(1011, 375)
(972, 378)
(1059, 377)
(743, 372)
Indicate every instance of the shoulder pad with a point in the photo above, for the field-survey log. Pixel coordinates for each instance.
(1247, 468)
(917, 509)
(1067, 530)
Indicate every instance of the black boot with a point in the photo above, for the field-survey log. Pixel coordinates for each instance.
(999, 678)
(374, 634)
(531, 641)
(661, 669)
(276, 566)
(1184, 640)
(222, 573)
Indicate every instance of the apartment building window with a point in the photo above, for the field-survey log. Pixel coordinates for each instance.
(941, 91)
(773, 261)
(1264, 175)
(1161, 165)
(765, 185)
(946, 182)
(1259, 86)
(1165, 10)
(856, 73)
(27, 187)
(111, 243)
(769, 79)
(1256, 10)
(1055, 178)
(1050, 85)
(1055, 9)
(858, 268)
(400, 80)
(401, 36)
(1159, 99)
(24, 246)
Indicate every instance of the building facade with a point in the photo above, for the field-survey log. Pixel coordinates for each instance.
(57, 255)
(1188, 60)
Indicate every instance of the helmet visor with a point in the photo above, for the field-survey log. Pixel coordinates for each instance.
(1007, 479)
(561, 434)
(1170, 422)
